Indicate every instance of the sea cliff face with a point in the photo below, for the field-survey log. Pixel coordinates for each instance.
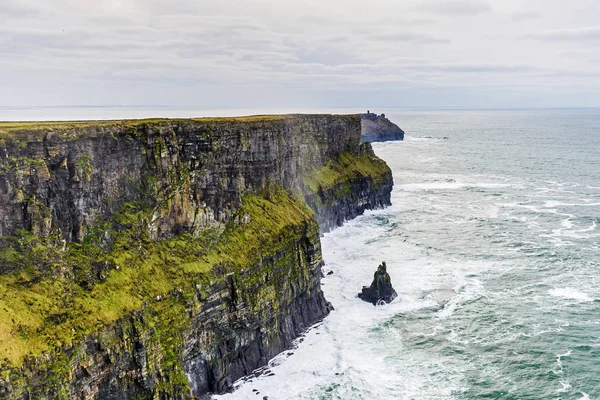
(167, 258)
(378, 128)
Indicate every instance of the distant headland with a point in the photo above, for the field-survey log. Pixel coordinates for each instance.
(378, 128)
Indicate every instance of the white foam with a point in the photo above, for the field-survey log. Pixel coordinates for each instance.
(566, 386)
(589, 228)
(420, 139)
(531, 208)
(564, 324)
(568, 231)
(490, 185)
(560, 356)
(566, 223)
(554, 204)
(571, 293)
(493, 212)
(449, 184)
(431, 186)
(466, 289)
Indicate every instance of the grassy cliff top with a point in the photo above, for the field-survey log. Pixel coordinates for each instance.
(15, 126)
(8, 128)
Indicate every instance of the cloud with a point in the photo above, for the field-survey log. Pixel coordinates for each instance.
(16, 9)
(199, 52)
(455, 7)
(324, 57)
(414, 37)
(584, 33)
(478, 68)
(524, 15)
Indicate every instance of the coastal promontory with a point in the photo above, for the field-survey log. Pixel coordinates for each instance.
(166, 258)
(378, 128)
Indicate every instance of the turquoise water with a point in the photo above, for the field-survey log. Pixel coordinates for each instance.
(493, 245)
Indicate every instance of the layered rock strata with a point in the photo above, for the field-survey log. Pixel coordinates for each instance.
(167, 258)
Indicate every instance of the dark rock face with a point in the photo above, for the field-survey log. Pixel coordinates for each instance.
(350, 198)
(378, 128)
(66, 179)
(381, 289)
(227, 337)
(58, 183)
(233, 327)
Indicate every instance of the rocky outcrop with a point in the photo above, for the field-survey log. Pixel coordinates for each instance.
(345, 188)
(381, 290)
(167, 258)
(378, 128)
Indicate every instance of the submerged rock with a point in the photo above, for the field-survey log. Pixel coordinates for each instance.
(381, 290)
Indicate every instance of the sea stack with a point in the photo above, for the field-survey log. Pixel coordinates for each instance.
(381, 289)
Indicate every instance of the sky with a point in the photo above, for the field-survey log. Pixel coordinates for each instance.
(306, 53)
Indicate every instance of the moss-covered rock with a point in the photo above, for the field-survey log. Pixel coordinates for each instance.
(347, 185)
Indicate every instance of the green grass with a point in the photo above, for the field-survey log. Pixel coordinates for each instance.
(37, 125)
(46, 308)
(344, 168)
(17, 129)
(8, 129)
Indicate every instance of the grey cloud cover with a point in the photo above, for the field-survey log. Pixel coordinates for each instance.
(407, 37)
(455, 7)
(579, 33)
(312, 53)
(524, 15)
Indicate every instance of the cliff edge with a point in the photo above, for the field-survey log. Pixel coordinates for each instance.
(168, 258)
(378, 128)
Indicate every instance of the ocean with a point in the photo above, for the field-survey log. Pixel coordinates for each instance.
(493, 245)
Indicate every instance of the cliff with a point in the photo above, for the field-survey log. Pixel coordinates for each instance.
(167, 258)
(378, 128)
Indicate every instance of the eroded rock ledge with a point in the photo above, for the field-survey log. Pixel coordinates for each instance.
(167, 258)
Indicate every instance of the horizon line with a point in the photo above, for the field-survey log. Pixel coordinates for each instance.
(125, 106)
